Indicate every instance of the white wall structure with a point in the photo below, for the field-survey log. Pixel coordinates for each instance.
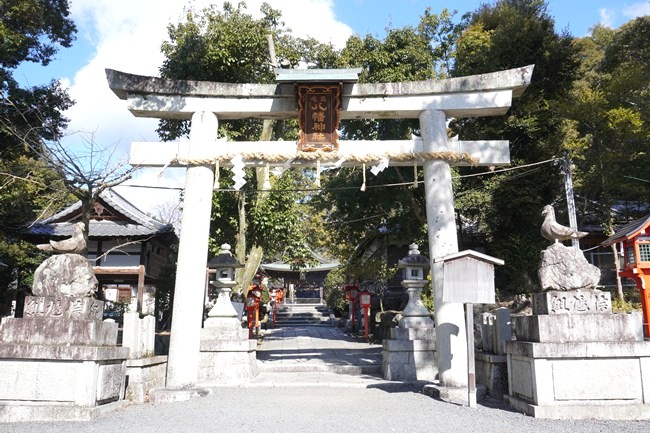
(431, 101)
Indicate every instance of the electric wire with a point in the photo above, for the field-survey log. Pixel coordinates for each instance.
(384, 185)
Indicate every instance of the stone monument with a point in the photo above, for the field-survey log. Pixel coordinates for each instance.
(573, 358)
(60, 361)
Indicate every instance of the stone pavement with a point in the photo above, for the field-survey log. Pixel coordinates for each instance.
(319, 379)
(316, 356)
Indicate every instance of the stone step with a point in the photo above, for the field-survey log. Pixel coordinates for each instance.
(302, 315)
(290, 323)
(302, 307)
(274, 367)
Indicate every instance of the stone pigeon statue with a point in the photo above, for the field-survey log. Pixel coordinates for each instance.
(555, 232)
(74, 245)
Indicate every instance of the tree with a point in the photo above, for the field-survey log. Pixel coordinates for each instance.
(608, 122)
(608, 127)
(84, 168)
(229, 45)
(510, 34)
(31, 31)
(407, 54)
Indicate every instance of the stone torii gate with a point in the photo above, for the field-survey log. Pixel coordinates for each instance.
(432, 102)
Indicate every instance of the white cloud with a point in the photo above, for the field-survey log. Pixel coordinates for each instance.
(636, 10)
(164, 187)
(127, 35)
(607, 17)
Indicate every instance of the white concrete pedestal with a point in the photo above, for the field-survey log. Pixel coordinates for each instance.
(409, 355)
(227, 355)
(558, 376)
(59, 381)
(226, 352)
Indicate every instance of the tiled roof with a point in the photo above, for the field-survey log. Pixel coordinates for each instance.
(133, 222)
(628, 230)
(323, 264)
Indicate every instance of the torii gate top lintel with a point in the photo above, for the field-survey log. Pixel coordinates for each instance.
(476, 95)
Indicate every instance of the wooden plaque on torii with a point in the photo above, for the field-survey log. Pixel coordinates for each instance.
(319, 108)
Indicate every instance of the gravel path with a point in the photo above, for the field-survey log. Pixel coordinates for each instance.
(377, 409)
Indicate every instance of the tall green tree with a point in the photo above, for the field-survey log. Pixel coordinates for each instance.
(608, 122)
(607, 125)
(405, 54)
(504, 35)
(30, 31)
(227, 44)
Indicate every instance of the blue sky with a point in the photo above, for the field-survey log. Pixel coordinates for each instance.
(126, 35)
(362, 17)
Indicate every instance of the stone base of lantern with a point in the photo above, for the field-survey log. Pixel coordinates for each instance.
(226, 353)
(409, 355)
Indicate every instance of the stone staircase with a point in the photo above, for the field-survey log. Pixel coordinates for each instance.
(302, 315)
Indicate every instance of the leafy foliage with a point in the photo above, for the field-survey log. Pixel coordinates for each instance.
(229, 45)
(406, 54)
(226, 45)
(31, 31)
(510, 34)
(607, 124)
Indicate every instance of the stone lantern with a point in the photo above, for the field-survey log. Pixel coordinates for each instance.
(408, 353)
(415, 314)
(225, 264)
(226, 353)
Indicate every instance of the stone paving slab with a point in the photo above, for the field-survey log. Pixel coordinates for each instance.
(317, 349)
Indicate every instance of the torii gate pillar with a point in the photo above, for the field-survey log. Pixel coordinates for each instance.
(185, 340)
(451, 346)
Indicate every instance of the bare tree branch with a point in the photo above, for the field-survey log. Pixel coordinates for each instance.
(86, 168)
(117, 247)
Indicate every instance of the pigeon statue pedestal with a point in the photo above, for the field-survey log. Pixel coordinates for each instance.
(573, 358)
(566, 268)
(60, 361)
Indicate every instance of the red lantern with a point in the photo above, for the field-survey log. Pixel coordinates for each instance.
(351, 292)
(365, 299)
(274, 298)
